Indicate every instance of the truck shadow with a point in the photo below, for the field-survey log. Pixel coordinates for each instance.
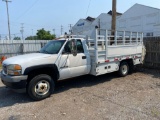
(155, 73)
(9, 98)
(83, 81)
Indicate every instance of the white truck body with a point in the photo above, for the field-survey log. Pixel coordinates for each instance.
(106, 58)
(103, 55)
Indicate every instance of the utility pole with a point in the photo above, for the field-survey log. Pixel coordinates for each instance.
(54, 31)
(22, 30)
(114, 14)
(6, 38)
(14, 35)
(70, 28)
(32, 34)
(61, 30)
(99, 26)
(8, 18)
(0, 37)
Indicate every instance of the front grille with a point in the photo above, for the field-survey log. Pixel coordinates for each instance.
(5, 69)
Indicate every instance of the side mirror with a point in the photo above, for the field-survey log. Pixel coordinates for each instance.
(73, 47)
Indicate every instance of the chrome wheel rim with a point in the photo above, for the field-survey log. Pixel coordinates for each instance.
(124, 69)
(42, 87)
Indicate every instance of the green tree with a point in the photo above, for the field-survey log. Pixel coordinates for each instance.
(16, 38)
(44, 35)
(31, 38)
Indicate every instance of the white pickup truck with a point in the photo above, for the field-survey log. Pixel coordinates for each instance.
(37, 73)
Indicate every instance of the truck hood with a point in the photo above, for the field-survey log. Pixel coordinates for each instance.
(32, 59)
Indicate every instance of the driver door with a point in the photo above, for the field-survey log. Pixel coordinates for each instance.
(74, 65)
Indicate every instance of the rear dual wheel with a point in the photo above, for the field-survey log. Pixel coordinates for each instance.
(123, 69)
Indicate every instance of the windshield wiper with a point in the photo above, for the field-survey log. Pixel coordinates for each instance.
(45, 51)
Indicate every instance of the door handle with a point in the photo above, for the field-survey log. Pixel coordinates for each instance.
(84, 57)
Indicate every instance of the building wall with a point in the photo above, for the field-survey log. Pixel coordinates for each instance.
(81, 26)
(104, 19)
(89, 27)
(138, 18)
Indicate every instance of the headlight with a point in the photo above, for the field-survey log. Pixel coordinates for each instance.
(14, 69)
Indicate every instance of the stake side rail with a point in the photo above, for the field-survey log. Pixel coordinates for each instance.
(109, 41)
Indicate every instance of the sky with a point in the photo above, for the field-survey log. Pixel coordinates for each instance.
(52, 14)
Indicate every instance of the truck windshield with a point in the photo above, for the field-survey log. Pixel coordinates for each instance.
(52, 47)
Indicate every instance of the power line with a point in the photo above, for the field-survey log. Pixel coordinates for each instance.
(30, 25)
(11, 34)
(27, 10)
(88, 7)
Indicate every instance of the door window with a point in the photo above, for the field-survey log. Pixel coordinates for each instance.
(79, 47)
(67, 48)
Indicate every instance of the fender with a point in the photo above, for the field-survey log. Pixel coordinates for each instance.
(53, 67)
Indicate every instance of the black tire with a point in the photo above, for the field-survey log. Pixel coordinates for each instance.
(123, 69)
(131, 67)
(40, 87)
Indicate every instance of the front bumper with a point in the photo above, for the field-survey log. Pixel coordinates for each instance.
(18, 83)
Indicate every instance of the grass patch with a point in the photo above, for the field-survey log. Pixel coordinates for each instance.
(155, 112)
(0, 66)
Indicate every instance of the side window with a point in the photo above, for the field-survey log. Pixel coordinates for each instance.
(79, 47)
(67, 48)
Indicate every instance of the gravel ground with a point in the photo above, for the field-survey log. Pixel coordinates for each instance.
(106, 97)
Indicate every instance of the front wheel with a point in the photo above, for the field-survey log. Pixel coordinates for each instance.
(40, 87)
(123, 69)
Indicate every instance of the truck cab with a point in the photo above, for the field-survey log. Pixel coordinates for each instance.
(57, 60)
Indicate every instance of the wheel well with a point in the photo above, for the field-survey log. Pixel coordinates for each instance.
(53, 72)
(130, 64)
(129, 61)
